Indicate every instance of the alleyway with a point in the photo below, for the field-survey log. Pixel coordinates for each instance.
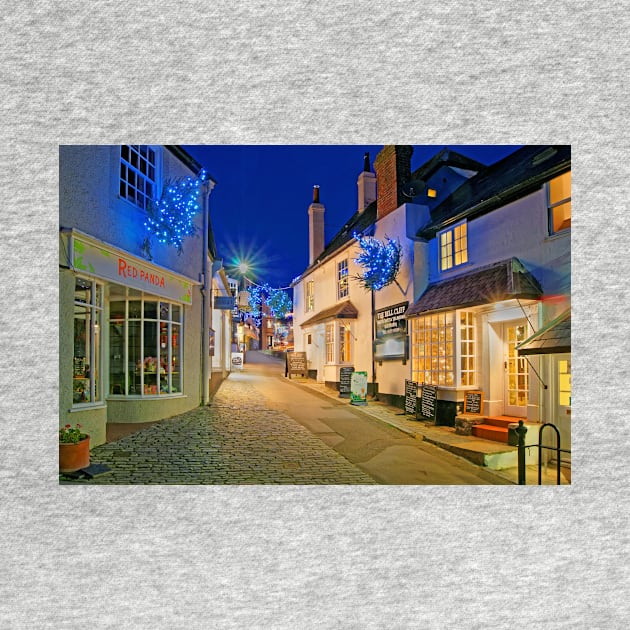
(262, 428)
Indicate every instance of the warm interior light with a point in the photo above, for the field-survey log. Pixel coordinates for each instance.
(431, 192)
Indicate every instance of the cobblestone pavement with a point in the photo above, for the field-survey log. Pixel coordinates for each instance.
(225, 443)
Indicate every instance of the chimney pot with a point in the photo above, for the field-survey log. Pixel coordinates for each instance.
(315, 194)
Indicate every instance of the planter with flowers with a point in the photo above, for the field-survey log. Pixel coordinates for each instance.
(74, 449)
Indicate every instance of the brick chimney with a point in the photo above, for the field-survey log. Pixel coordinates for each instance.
(366, 185)
(315, 227)
(393, 169)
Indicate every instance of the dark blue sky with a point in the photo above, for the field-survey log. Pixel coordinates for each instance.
(260, 202)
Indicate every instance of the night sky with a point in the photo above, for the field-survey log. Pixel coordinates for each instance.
(260, 202)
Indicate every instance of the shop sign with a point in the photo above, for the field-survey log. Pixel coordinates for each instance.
(391, 341)
(224, 302)
(358, 388)
(237, 360)
(472, 402)
(296, 363)
(129, 271)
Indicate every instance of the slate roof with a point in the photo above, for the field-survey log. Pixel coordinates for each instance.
(504, 280)
(344, 310)
(553, 338)
(513, 177)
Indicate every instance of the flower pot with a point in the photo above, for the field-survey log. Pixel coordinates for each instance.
(73, 457)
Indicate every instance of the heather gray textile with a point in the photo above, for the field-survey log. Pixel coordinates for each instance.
(306, 557)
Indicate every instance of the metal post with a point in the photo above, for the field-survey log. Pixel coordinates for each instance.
(521, 430)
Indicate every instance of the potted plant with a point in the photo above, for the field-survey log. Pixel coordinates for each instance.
(74, 449)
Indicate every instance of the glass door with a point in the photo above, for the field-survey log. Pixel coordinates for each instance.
(516, 381)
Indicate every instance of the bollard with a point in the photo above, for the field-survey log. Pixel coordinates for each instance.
(521, 430)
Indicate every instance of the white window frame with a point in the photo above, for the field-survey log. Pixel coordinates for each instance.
(453, 246)
(309, 302)
(329, 343)
(139, 174)
(557, 203)
(95, 344)
(343, 284)
(173, 326)
(430, 345)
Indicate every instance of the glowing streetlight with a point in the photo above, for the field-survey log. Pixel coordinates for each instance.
(243, 268)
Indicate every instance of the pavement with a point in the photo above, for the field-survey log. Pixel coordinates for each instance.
(237, 439)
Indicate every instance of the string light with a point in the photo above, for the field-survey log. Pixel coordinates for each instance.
(277, 300)
(171, 218)
(380, 261)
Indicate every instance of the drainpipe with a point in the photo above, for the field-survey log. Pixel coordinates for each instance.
(205, 293)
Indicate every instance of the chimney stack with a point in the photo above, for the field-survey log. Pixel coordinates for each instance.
(366, 185)
(315, 227)
(393, 169)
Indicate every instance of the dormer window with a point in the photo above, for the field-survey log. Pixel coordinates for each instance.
(453, 244)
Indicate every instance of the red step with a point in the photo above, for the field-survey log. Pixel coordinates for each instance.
(490, 432)
(500, 421)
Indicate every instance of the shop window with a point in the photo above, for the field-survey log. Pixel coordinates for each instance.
(435, 352)
(342, 279)
(309, 303)
(453, 246)
(138, 174)
(86, 381)
(145, 348)
(560, 203)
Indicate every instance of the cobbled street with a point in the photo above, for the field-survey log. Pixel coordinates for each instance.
(237, 439)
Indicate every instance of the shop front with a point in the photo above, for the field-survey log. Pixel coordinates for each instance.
(130, 337)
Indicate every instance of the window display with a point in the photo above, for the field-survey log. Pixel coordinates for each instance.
(145, 347)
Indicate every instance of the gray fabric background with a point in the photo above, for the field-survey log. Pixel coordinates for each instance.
(313, 557)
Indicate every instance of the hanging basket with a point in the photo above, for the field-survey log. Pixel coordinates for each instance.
(73, 457)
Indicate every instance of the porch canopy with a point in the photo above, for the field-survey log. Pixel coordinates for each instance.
(345, 310)
(553, 338)
(504, 280)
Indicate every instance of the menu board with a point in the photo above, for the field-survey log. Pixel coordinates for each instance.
(472, 402)
(345, 380)
(411, 396)
(428, 402)
(296, 363)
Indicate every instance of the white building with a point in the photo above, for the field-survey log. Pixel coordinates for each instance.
(139, 340)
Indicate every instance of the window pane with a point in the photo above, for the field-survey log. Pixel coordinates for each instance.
(83, 291)
(135, 309)
(81, 366)
(117, 358)
(117, 310)
(150, 310)
(135, 358)
(560, 188)
(175, 358)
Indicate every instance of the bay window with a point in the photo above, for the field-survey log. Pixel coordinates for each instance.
(443, 349)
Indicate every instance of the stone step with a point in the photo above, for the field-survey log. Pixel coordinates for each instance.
(501, 421)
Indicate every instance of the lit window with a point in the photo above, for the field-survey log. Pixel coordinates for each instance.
(342, 279)
(453, 247)
(431, 192)
(344, 343)
(435, 353)
(88, 302)
(560, 203)
(138, 174)
(145, 347)
(309, 303)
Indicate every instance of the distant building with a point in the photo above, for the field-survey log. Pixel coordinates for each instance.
(139, 340)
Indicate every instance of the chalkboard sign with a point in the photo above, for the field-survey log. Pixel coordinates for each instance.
(411, 396)
(296, 363)
(428, 402)
(345, 379)
(472, 402)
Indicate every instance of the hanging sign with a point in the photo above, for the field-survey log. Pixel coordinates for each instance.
(345, 378)
(358, 388)
(428, 402)
(296, 363)
(411, 396)
(224, 302)
(473, 402)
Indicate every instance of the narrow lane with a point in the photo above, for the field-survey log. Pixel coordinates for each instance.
(388, 455)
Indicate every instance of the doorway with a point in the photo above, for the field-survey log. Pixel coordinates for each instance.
(516, 377)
